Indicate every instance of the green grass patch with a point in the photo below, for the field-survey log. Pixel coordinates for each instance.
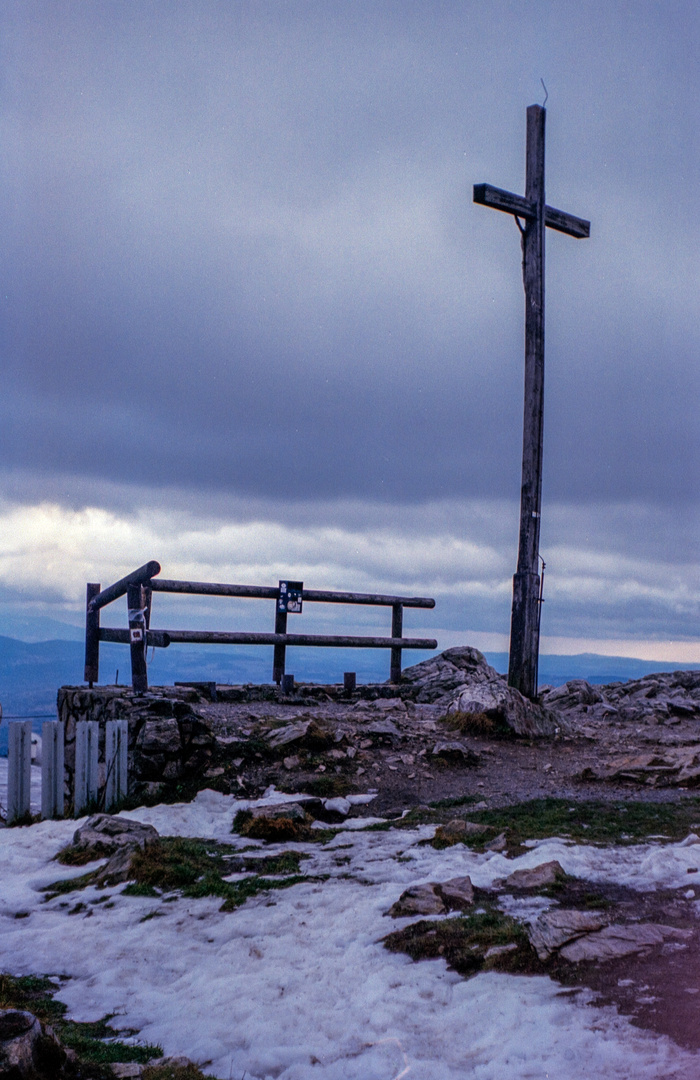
(69, 885)
(194, 868)
(77, 856)
(135, 888)
(592, 821)
(35, 994)
(447, 804)
(173, 1072)
(239, 891)
(197, 868)
(485, 941)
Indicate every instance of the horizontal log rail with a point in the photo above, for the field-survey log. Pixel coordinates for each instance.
(268, 592)
(161, 639)
(140, 585)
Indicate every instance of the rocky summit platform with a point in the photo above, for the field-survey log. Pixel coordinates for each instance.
(451, 728)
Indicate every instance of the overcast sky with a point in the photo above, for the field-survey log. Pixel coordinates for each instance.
(254, 327)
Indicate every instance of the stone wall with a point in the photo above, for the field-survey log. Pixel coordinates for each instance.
(168, 741)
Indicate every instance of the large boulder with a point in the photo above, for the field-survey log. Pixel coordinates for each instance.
(103, 834)
(108, 835)
(462, 681)
(441, 676)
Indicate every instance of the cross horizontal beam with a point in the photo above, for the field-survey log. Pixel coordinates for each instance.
(487, 195)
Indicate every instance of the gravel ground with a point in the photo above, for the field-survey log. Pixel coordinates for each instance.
(400, 763)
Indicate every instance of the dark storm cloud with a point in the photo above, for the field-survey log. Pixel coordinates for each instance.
(241, 252)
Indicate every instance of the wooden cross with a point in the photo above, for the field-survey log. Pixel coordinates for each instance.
(532, 210)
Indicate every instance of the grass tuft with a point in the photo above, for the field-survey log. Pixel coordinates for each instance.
(197, 868)
(172, 1072)
(591, 821)
(465, 942)
(35, 994)
(471, 723)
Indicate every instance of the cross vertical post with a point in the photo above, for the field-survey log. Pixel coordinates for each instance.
(524, 622)
(533, 212)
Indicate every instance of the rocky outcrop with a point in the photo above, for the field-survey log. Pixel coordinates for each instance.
(29, 1050)
(669, 767)
(664, 698)
(462, 681)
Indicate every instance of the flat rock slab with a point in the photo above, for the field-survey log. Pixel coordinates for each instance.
(536, 878)
(458, 831)
(670, 767)
(303, 733)
(435, 898)
(555, 928)
(106, 833)
(455, 751)
(615, 941)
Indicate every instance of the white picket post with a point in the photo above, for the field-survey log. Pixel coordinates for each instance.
(19, 770)
(52, 778)
(85, 777)
(116, 757)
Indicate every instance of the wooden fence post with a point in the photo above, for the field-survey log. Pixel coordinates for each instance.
(85, 776)
(19, 770)
(92, 637)
(279, 658)
(116, 761)
(137, 607)
(396, 631)
(52, 771)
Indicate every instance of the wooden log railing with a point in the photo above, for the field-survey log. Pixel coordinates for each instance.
(140, 585)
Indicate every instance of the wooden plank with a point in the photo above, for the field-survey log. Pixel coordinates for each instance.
(136, 577)
(567, 223)
(498, 199)
(266, 592)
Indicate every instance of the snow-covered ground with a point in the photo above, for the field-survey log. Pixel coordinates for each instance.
(296, 984)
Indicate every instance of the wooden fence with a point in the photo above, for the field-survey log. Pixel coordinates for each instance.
(140, 585)
(88, 794)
